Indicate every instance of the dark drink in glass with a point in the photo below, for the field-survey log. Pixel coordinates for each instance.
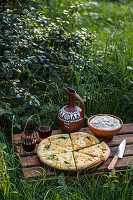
(44, 131)
(29, 142)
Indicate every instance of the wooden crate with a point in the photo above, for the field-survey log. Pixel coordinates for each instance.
(32, 167)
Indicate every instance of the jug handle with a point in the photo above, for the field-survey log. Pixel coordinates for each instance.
(73, 93)
(82, 103)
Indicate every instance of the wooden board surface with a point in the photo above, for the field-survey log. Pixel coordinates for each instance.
(32, 167)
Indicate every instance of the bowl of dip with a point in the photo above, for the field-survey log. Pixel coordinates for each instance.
(105, 125)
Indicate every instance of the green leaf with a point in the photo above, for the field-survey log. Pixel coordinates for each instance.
(62, 137)
(47, 146)
(2, 146)
(88, 137)
(4, 111)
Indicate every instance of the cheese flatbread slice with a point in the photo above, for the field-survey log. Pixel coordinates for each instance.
(46, 148)
(62, 140)
(81, 140)
(63, 161)
(101, 151)
(83, 161)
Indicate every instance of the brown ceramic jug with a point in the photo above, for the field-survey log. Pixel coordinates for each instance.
(71, 117)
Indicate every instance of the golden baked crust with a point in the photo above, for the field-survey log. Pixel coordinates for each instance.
(72, 152)
(49, 149)
(84, 161)
(63, 161)
(81, 140)
(62, 140)
(101, 151)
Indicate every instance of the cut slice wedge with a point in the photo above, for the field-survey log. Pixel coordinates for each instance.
(101, 151)
(81, 140)
(62, 140)
(84, 161)
(63, 161)
(46, 149)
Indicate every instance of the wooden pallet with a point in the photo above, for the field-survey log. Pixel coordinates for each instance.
(32, 167)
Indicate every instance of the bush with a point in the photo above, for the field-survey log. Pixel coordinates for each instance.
(35, 53)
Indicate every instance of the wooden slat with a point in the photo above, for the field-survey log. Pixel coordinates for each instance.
(29, 161)
(37, 171)
(17, 138)
(127, 128)
(118, 139)
(32, 172)
(122, 163)
(128, 150)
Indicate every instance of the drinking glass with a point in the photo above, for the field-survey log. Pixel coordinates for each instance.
(29, 141)
(45, 128)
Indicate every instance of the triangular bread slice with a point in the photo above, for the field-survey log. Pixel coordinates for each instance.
(62, 140)
(81, 140)
(83, 161)
(46, 149)
(101, 151)
(63, 161)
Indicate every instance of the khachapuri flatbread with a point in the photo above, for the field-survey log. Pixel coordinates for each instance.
(72, 152)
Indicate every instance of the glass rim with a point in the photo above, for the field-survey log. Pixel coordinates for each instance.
(45, 123)
(34, 134)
